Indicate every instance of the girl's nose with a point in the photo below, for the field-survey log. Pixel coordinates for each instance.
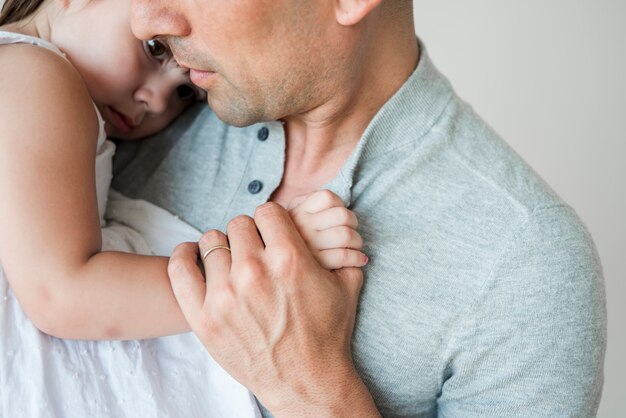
(155, 95)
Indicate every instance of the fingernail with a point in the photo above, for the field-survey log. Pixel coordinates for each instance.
(365, 259)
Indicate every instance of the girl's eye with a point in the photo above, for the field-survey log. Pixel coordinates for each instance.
(156, 49)
(186, 92)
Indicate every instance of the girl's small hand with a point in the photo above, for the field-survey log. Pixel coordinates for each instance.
(329, 230)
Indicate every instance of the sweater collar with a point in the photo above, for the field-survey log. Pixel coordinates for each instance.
(406, 117)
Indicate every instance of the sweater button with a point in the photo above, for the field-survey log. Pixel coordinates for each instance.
(263, 134)
(255, 186)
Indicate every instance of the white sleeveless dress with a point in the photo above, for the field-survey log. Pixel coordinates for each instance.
(43, 376)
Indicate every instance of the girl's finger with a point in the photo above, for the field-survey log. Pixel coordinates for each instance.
(337, 258)
(336, 237)
(320, 200)
(329, 218)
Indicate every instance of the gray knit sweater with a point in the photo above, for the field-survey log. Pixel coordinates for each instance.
(484, 294)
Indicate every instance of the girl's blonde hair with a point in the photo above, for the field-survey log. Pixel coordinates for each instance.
(14, 10)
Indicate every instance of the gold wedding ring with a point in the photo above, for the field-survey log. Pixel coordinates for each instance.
(217, 247)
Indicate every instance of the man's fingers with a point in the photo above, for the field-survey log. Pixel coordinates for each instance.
(187, 280)
(244, 239)
(337, 258)
(215, 257)
(320, 200)
(276, 227)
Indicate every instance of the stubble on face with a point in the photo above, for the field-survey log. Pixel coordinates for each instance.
(248, 94)
(223, 96)
(273, 69)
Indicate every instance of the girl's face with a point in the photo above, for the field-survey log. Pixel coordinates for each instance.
(137, 86)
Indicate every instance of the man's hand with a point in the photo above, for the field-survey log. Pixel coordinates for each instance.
(272, 316)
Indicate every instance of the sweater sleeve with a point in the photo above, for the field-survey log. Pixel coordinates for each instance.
(533, 342)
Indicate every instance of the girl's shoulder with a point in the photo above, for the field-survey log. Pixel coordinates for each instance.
(43, 84)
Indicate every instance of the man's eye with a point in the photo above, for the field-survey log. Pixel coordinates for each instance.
(156, 49)
(185, 92)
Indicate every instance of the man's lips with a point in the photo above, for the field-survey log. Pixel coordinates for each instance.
(122, 122)
(201, 78)
(198, 77)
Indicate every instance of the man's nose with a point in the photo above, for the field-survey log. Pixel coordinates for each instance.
(151, 18)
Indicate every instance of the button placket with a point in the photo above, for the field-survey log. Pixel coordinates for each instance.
(255, 186)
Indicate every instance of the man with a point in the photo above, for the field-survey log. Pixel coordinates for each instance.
(483, 295)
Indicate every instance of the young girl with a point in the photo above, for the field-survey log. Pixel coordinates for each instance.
(71, 72)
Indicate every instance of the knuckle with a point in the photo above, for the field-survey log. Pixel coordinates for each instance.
(346, 216)
(351, 218)
(183, 249)
(267, 209)
(357, 242)
(212, 237)
(241, 221)
(248, 272)
(177, 267)
(345, 235)
(354, 219)
(298, 217)
(329, 198)
(184, 246)
(285, 258)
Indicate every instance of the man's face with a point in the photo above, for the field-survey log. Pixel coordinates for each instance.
(257, 59)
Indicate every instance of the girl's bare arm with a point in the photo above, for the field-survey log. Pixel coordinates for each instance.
(49, 229)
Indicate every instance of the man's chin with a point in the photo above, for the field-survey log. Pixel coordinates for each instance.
(232, 115)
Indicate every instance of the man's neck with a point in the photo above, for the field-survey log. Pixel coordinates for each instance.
(320, 140)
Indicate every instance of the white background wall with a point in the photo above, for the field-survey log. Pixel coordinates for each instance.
(550, 77)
